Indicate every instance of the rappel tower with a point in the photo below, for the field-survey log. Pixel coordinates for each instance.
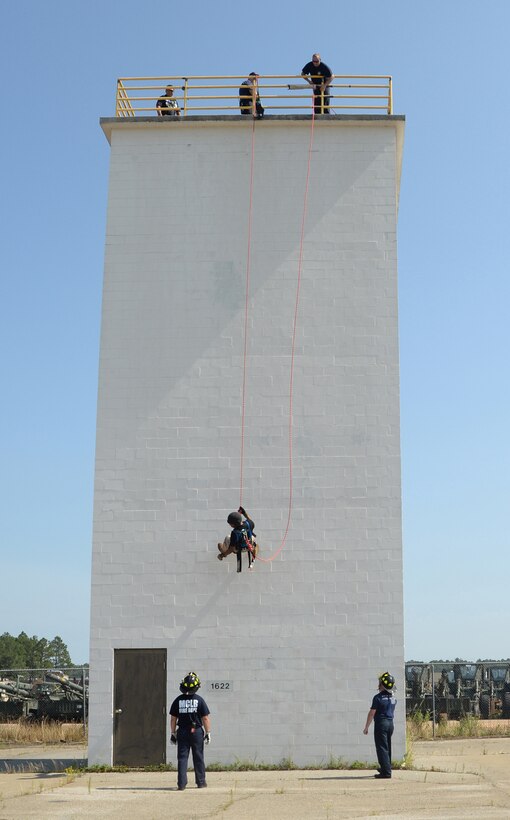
(249, 350)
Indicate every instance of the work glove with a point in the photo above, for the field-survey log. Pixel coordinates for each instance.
(242, 511)
(207, 737)
(173, 738)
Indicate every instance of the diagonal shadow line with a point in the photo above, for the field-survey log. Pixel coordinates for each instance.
(367, 776)
(135, 788)
(194, 622)
(40, 765)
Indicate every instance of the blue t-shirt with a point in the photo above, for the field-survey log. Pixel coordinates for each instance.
(384, 704)
(239, 534)
(189, 710)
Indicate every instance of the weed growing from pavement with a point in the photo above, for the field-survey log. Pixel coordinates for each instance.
(285, 765)
(100, 769)
(408, 760)
(251, 766)
(229, 803)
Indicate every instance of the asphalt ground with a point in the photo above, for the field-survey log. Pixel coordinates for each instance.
(450, 779)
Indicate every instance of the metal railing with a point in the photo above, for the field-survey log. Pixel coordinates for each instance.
(279, 93)
(457, 689)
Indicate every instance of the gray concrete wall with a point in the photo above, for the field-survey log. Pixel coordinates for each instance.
(302, 639)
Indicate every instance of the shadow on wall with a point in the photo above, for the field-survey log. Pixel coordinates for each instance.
(191, 624)
(177, 254)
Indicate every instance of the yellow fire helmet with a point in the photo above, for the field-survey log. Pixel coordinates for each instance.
(387, 680)
(190, 684)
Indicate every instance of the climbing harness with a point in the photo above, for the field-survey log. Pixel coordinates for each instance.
(251, 554)
(249, 547)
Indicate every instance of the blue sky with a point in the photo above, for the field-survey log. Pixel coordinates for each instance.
(449, 61)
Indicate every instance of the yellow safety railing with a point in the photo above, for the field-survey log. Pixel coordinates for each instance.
(123, 107)
(279, 94)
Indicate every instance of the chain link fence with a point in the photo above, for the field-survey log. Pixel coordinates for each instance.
(454, 690)
(44, 694)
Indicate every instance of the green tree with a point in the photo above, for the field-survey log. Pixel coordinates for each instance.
(58, 653)
(41, 655)
(12, 654)
(32, 653)
(35, 651)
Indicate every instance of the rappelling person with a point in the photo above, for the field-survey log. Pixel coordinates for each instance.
(241, 539)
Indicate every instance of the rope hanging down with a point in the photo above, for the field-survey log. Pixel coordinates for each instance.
(294, 328)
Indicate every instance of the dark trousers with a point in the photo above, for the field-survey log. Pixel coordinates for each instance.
(318, 100)
(186, 740)
(383, 730)
(246, 108)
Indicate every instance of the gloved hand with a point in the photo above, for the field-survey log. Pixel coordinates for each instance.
(207, 737)
(242, 511)
(173, 738)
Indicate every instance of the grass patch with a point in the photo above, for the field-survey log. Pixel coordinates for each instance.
(285, 765)
(419, 727)
(48, 732)
(100, 769)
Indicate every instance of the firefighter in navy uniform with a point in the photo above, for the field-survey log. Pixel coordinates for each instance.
(382, 712)
(190, 725)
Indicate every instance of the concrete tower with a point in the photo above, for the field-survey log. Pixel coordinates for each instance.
(288, 654)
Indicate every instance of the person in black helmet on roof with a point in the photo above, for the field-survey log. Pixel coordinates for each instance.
(191, 728)
(249, 98)
(241, 538)
(382, 712)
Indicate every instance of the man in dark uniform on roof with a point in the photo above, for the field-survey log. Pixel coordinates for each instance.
(381, 712)
(166, 105)
(190, 725)
(249, 98)
(319, 76)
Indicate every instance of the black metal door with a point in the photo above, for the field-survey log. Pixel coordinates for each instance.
(139, 707)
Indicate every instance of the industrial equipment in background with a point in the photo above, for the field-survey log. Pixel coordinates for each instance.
(455, 690)
(49, 694)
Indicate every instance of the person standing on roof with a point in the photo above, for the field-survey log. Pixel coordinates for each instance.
(191, 727)
(319, 76)
(166, 106)
(382, 712)
(249, 99)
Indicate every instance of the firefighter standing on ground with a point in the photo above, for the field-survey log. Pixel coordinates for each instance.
(381, 712)
(190, 725)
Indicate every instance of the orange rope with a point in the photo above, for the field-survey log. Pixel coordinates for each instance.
(294, 328)
(246, 300)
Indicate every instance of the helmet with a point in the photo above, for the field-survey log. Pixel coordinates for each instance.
(387, 680)
(235, 519)
(190, 684)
